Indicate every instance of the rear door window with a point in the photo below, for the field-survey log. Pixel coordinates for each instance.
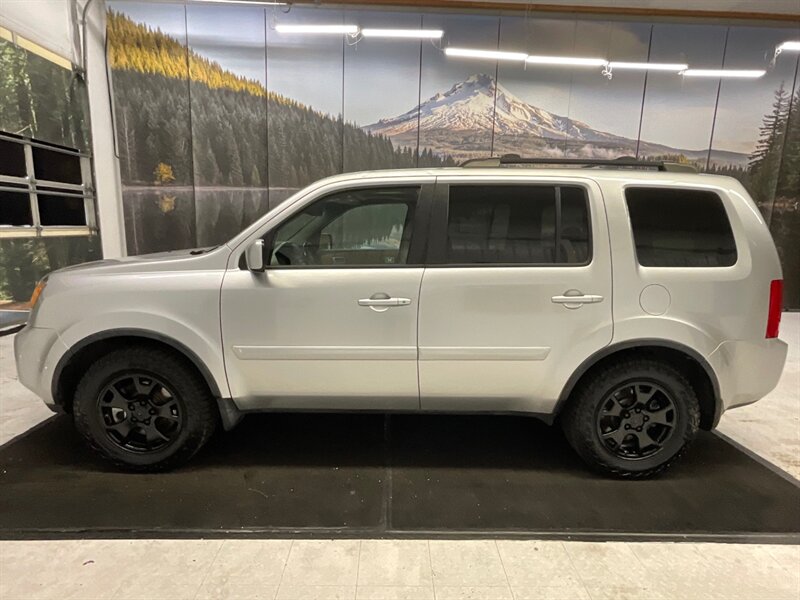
(675, 227)
(517, 224)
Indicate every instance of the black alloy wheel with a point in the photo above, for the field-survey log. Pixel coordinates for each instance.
(144, 408)
(636, 420)
(632, 417)
(139, 412)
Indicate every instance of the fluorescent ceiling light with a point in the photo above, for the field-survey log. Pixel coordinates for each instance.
(340, 29)
(741, 73)
(649, 66)
(493, 54)
(404, 33)
(567, 60)
(792, 46)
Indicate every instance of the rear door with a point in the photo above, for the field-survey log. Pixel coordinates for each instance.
(517, 293)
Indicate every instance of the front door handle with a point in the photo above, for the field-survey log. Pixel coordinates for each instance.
(384, 302)
(577, 300)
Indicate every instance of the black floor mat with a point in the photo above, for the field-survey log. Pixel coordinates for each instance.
(368, 476)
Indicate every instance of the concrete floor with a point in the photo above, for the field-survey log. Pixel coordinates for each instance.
(417, 569)
(394, 569)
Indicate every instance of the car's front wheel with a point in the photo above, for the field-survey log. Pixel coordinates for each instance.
(144, 409)
(632, 418)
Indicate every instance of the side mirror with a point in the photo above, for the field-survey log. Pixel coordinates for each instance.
(254, 256)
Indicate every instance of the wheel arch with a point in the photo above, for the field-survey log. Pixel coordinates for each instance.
(699, 372)
(68, 369)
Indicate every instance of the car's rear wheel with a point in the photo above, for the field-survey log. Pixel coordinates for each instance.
(144, 409)
(632, 418)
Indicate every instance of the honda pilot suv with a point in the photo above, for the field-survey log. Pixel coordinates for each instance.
(629, 303)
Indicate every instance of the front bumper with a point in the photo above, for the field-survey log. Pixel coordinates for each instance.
(37, 351)
(747, 371)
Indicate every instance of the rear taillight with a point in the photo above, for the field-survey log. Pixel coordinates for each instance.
(775, 306)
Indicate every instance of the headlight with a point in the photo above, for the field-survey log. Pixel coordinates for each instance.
(38, 291)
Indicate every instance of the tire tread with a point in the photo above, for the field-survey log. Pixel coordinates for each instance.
(578, 418)
(202, 417)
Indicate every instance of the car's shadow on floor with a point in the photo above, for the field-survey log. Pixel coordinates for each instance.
(377, 475)
(375, 440)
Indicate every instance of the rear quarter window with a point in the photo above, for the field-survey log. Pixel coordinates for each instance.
(675, 227)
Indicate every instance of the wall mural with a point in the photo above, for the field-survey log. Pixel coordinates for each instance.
(221, 117)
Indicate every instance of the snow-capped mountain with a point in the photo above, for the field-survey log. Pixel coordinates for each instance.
(470, 105)
(455, 122)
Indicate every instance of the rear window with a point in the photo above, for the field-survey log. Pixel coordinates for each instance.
(511, 224)
(680, 228)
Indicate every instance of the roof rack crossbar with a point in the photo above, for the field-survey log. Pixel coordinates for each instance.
(513, 159)
(591, 162)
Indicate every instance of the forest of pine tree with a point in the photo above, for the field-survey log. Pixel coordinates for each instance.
(774, 182)
(40, 99)
(774, 166)
(215, 128)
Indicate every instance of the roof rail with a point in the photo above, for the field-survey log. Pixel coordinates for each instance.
(621, 162)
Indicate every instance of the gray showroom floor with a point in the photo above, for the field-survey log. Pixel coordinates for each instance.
(417, 569)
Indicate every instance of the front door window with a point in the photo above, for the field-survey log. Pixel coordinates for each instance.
(367, 227)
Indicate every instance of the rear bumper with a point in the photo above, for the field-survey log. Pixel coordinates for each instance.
(747, 371)
(36, 351)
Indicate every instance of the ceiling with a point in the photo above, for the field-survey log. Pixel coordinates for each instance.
(786, 7)
(788, 10)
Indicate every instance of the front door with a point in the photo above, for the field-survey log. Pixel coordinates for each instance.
(332, 322)
(520, 293)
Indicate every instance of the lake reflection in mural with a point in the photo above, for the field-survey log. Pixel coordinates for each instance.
(158, 219)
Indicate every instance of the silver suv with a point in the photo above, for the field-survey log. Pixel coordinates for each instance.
(632, 306)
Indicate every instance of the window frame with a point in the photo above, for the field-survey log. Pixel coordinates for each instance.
(417, 244)
(654, 186)
(32, 186)
(437, 256)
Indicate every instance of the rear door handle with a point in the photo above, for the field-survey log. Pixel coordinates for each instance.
(384, 302)
(577, 301)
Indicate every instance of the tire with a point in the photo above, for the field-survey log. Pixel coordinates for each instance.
(176, 411)
(602, 423)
